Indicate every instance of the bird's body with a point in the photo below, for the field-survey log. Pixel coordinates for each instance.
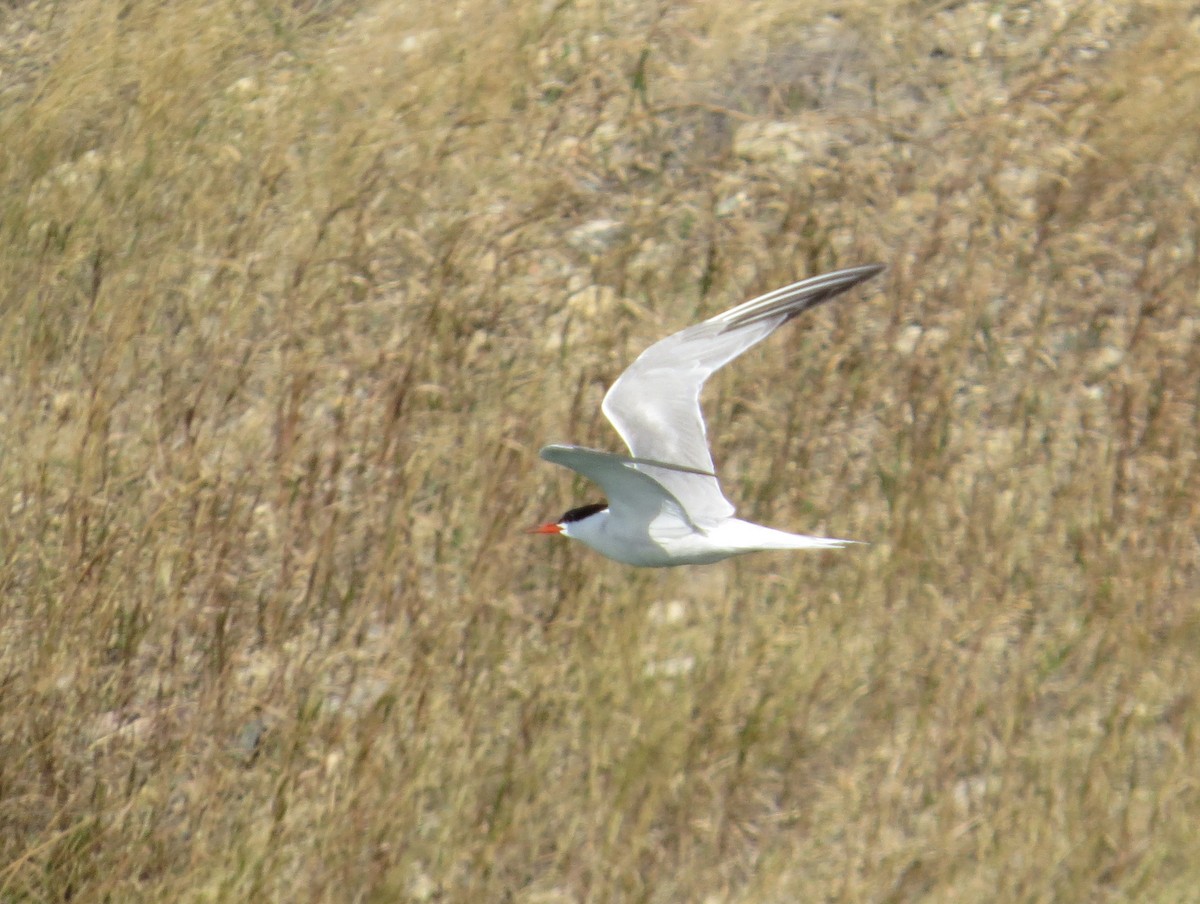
(668, 541)
(665, 506)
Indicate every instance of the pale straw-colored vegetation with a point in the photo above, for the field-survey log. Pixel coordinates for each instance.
(291, 295)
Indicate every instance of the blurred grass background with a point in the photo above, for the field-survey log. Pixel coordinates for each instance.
(293, 293)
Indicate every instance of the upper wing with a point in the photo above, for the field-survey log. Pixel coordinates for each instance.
(655, 403)
(633, 495)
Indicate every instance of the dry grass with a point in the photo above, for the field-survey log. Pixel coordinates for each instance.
(292, 294)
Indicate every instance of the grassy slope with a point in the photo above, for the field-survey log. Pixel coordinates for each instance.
(290, 301)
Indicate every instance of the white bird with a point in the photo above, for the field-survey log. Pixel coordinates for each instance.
(665, 506)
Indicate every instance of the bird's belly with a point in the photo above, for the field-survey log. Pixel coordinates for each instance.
(648, 552)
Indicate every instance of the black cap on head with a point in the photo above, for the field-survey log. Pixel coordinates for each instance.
(578, 514)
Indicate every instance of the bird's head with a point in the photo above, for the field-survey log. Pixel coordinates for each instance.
(569, 519)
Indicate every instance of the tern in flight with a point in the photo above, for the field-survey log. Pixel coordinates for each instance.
(665, 506)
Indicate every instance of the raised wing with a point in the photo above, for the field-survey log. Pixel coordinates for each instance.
(655, 403)
(633, 495)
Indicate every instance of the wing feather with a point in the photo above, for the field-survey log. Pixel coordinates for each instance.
(636, 495)
(655, 404)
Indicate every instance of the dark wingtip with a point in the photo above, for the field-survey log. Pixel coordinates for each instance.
(800, 297)
(852, 276)
(846, 280)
